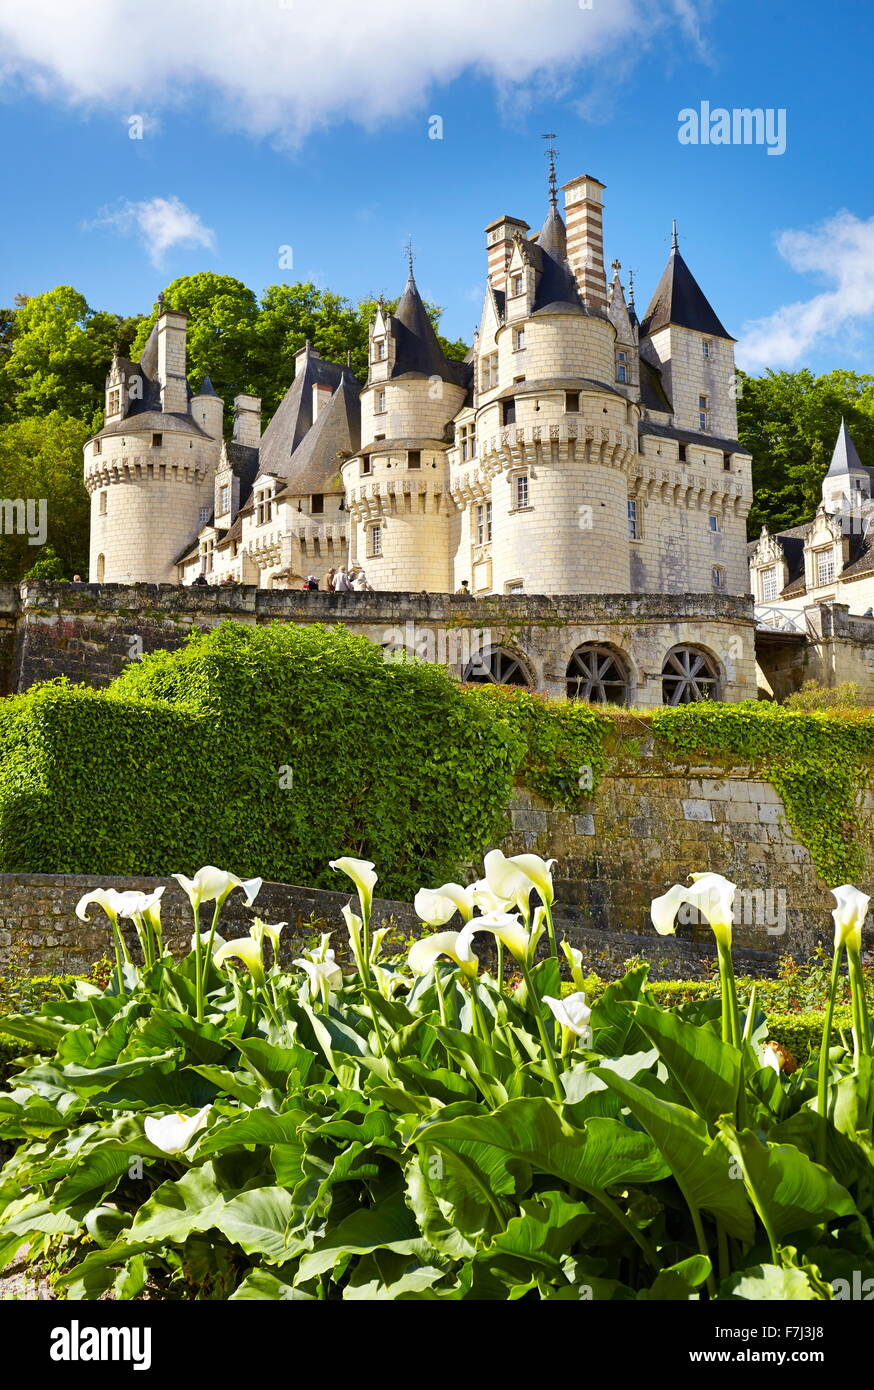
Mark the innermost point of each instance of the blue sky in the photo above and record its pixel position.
(277, 124)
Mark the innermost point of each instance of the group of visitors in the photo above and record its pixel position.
(343, 581)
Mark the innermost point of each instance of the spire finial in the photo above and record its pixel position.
(409, 252)
(675, 240)
(616, 265)
(160, 302)
(551, 152)
(631, 289)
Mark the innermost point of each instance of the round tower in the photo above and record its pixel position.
(150, 469)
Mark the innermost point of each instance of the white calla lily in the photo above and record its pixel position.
(217, 941)
(504, 926)
(507, 880)
(486, 899)
(173, 1133)
(428, 949)
(353, 926)
(574, 959)
(435, 906)
(215, 885)
(849, 916)
(710, 894)
(363, 875)
(108, 898)
(539, 871)
(769, 1057)
(663, 910)
(324, 975)
(572, 1012)
(246, 949)
(272, 930)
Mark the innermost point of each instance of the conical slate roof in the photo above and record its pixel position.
(556, 284)
(845, 459)
(416, 347)
(679, 300)
(207, 388)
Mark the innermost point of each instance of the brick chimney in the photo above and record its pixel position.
(499, 246)
(584, 217)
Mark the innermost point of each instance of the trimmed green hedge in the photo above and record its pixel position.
(265, 750)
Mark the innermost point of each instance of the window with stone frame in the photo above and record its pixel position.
(825, 566)
(769, 584)
(483, 523)
(103, 495)
(379, 403)
(467, 442)
(717, 577)
(703, 412)
(520, 490)
(705, 348)
(489, 372)
(317, 504)
(518, 339)
(517, 284)
(114, 405)
(98, 445)
(224, 499)
(379, 349)
(264, 508)
(622, 367)
(633, 520)
(374, 541)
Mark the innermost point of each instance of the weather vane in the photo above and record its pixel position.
(408, 250)
(551, 152)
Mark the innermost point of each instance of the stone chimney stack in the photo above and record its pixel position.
(172, 330)
(321, 397)
(499, 246)
(247, 420)
(302, 356)
(584, 217)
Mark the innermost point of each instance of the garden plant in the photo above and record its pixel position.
(227, 1126)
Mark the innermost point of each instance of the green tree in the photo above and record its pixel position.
(41, 460)
(48, 565)
(789, 422)
(59, 355)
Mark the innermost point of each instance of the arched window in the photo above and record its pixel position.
(598, 673)
(496, 666)
(689, 675)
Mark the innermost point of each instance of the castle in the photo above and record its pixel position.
(576, 450)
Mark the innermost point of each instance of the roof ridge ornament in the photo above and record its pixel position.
(551, 152)
(675, 240)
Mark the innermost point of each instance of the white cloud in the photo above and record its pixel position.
(283, 67)
(840, 251)
(160, 223)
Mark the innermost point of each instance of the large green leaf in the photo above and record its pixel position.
(613, 1027)
(176, 1209)
(260, 1222)
(699, 1164)
(705, 1068)
(389, 1226)
(263, 1284)
(788, 1190)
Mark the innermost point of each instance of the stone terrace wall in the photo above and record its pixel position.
(89, 632)
(41, 935)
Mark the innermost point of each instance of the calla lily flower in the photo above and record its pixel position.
(272, 930)
(507, 880)
(486, 899)
(849, 916)
(362, 874)
(214, 885)
(428, 949)
(504, 926)
(108, 898)
(572, 1013)
(321, 973)
(712, 896)
(217, 941)
(574, 959)
(173, 1133)
(353, 926)
(435, 906)
(248, 951)
(769, 1057)
(540, 873)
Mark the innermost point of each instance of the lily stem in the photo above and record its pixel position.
(822, 1075)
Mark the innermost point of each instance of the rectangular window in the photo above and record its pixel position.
(488, 521)
(317, 504)
(572, 402)
(103, 503)
(703, 412)
(380, 403)
(717, 577)
(379, 349)
(224, 500)
(98, 445)
(508, 412)
(114, 403)
(365, 466)
(713, 522)
(521, 490)
(467, 442)
(726, 462)
(489, 372)
(633, 533)
(516, 284)
(204, 515)
(480, 524)
(515, 586)
(705, 347)
(157, 441)
(518, 339)
(622, 367)
(414, 458)
(374, 537)
(769, 585)
(681, 453)
(825, 566)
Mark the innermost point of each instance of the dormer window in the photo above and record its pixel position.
(224, 500)
(489, 372)
(769, 585)
(379, 349)
(517, 284)
(114, 403)
(264, 507)
(622, 367)
(825, 566)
